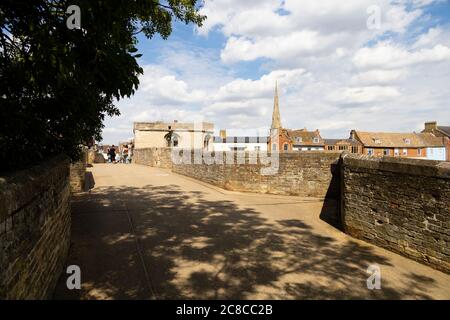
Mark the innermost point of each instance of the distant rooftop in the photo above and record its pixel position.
(445, 129)
(175, 125)
(400, 140)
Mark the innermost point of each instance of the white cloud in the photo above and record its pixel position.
(284, 29)
(304, 42)
(390, 56)
(363, 94)
(378, 76)
(333, 73)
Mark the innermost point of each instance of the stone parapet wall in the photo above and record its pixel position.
(309, 174)
(400, 204)
(34, 229)
(153, 157)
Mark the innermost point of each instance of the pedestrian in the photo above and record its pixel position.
(125, 154)
(112, 154)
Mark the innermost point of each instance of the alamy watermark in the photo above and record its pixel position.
(374, 280)
(74, 280)
(374, 20)
(74, 19)
(191, 149)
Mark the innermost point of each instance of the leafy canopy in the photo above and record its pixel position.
(56, 84)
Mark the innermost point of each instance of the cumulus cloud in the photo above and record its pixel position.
(334, 74)
(363, 94)
(379, 76)
(391, 56)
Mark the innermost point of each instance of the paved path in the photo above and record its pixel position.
(146, 233)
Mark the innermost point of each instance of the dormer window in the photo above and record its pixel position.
(377, 141)
(408, 141)
(298, 139)
(316, 140)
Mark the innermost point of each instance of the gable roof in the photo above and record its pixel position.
(398, 140)
(331, 142)
(430, 140)
(307, 137)
(445, 130)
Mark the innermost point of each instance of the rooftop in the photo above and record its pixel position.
(175, 125)
(398, 140)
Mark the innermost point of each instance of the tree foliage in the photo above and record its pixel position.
(56, 84)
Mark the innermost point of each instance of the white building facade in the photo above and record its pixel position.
(173, 134)
(436, 153)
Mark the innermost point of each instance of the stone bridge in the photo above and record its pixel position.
(148, 233)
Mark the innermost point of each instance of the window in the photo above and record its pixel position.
(386, 152)
(377, 141)
(285, 147)
(298, 139)
(405, 152)
(175, 141)
(330, 148)
(419, 152)
(257, 148)
(408, 141)
(274, 147)
(316, 140)
(354, 149)
(396, 152)
(206, 142)
(370, 152)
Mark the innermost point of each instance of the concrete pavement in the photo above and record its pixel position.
(146, 233)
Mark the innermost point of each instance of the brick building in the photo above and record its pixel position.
(304, 140)
(407, 145)
(343, 145)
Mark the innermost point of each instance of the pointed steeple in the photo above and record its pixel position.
(276, 120)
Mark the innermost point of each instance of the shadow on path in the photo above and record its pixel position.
(193, 247)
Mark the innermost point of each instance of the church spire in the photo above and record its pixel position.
(276, 121)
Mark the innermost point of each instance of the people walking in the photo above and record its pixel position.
(112, 154)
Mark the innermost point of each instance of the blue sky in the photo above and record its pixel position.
(335, 74)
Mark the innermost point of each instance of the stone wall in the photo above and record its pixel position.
(78, 173)
(314, 174)
(153, 157)
(399, 204)
(34, 229)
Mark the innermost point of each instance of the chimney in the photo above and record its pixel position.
(353, 135)
(430, 126)
(223, 134)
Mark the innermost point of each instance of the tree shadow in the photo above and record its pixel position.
(89, 181)
(194, 248)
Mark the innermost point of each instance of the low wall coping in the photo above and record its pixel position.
(408, 166)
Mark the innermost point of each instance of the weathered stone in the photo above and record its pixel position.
(35, 239)
(409, 206)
